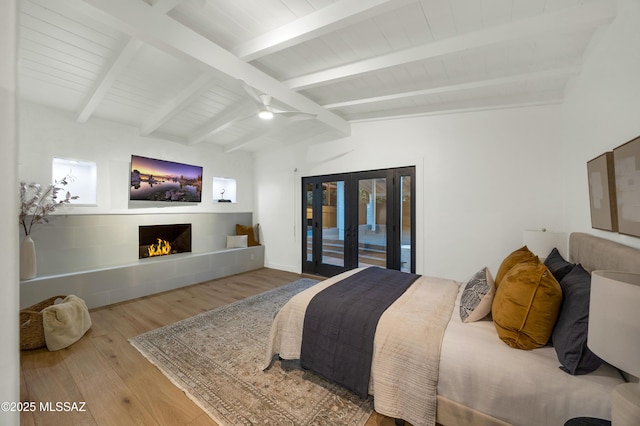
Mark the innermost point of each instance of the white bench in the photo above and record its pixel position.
(105, 286)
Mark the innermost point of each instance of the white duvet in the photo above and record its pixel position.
(519, 387)
(468, 365)
(404, 370)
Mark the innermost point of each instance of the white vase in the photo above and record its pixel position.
(27, 259)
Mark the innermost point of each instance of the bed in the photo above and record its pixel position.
(461, 373)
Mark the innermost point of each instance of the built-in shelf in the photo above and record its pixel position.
(113, 284)
(224, 190)
(82, 180)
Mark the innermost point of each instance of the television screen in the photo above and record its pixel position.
(160, 180)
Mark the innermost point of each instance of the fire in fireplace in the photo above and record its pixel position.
(162, 240)
(162, 248)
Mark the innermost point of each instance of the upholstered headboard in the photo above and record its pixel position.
(595, 253)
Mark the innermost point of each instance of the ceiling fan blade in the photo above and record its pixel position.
(296, 115)
(264, 100)
(293, 114)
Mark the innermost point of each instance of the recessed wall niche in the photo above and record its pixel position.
(83, 182)
(224, 190)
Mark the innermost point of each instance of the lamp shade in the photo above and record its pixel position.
(614, 323)
(541, 242)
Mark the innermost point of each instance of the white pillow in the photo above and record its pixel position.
(476, 299)
(236, 241)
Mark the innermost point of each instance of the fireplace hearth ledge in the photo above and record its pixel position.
(143, 277)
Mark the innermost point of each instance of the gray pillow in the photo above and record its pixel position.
(570, 332)
(476, 299)
(557, 265)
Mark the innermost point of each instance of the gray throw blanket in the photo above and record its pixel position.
(340, 325)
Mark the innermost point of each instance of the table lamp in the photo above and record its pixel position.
(614, 335)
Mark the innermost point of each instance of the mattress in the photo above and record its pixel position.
(519, 387)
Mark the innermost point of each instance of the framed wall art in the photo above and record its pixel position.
(627, 177)
(602, 192)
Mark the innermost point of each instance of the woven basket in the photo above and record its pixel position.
(31, 328)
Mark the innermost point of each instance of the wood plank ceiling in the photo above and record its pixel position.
(189, 70)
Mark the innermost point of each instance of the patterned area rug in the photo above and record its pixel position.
(215, 359)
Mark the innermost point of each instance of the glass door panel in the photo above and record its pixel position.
(308, 236)
(325, 239)
(406, 233)
(372, 222)
(333, 222)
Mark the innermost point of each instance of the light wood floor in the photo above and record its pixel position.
(118, 385)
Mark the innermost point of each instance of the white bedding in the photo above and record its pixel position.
(519, 387)
(476, 370)
(404, 367)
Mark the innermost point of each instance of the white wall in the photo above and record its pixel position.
(482, 178)
(81, 238)
(602, 110)
(46, 133)
(9, 354)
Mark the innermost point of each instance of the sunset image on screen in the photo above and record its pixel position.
(160, 180)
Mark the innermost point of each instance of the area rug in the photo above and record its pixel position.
(215, 359)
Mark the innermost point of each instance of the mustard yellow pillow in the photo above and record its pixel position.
(526, 305)
(514, 258)
(249, 232)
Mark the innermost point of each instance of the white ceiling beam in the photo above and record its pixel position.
(139, 20)
(480, 84)
(589, 15)
(184, 98)
(164, 6)
(328, 19)
(506, 102)
(112, 72)
(241, 111)
(189, 94)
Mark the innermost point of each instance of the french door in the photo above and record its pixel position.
(359, 219)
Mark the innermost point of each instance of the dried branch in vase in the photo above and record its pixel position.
(36, 202)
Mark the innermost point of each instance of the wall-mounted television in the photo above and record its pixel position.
(161, 180)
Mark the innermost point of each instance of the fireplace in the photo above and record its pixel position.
(162, 240)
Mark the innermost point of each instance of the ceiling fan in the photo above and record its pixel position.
(267, 111)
